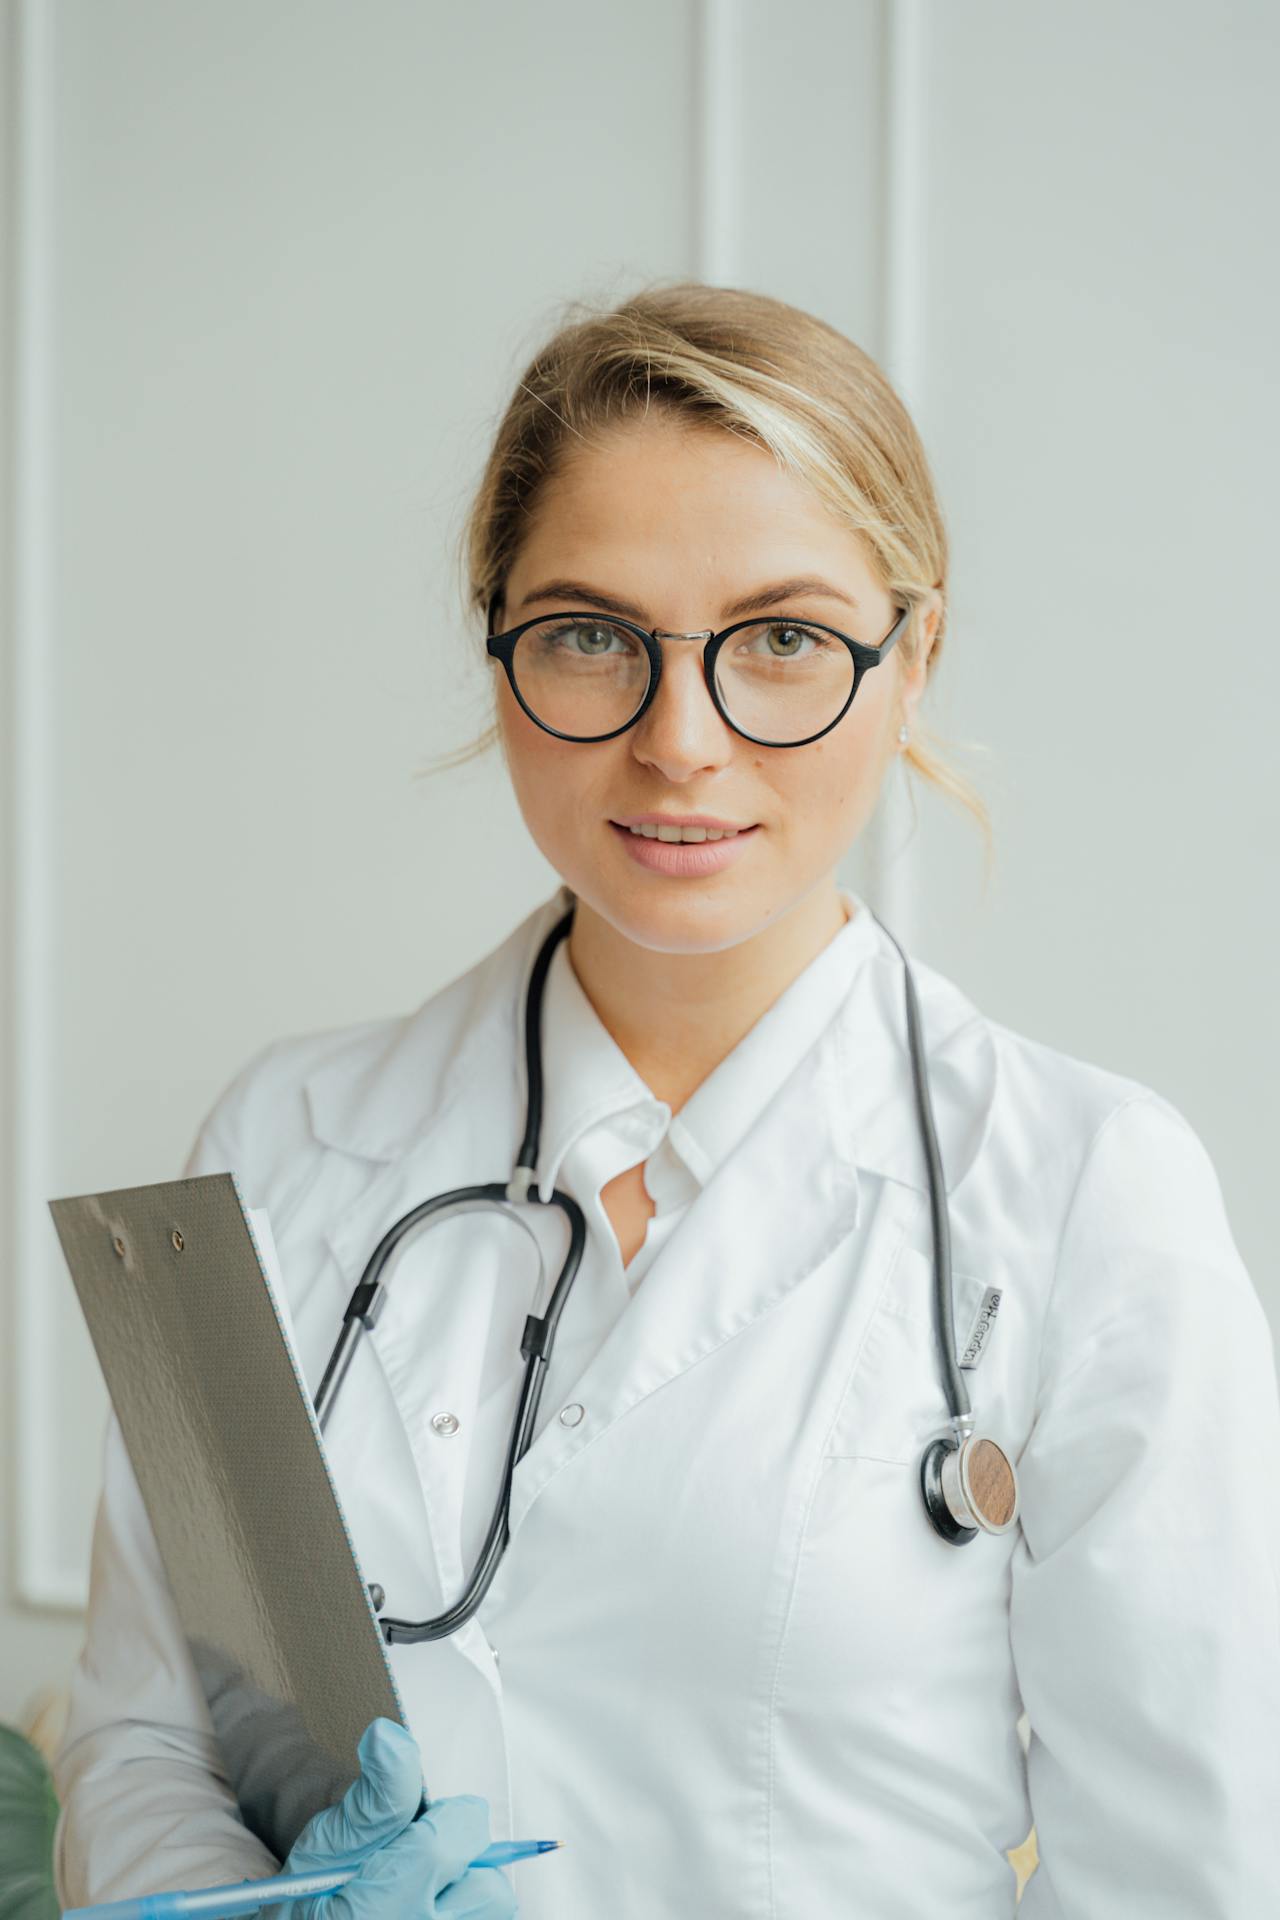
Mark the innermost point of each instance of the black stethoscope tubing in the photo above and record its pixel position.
(954, 1517)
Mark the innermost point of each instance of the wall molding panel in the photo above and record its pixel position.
(35, 1261)
(900, 878)
(717, 95)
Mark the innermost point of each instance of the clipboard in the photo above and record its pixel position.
(229, 1459)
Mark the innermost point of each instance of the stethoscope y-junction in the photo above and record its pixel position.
(968, 1482)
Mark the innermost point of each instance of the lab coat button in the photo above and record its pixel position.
(445, 1422)
(570, 1416)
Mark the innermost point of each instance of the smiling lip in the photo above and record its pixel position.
(683, 860)
(677, 820)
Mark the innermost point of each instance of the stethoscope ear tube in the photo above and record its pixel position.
(528, 1155)
(969, 1483)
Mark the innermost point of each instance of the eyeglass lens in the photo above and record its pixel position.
(779, 680)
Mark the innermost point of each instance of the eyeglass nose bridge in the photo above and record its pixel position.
(706, 634)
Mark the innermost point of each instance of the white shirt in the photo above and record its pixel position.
(726, 1658)
(600, 1118)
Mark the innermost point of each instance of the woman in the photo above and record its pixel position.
(728, 1658)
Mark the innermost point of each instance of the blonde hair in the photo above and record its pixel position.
(752, 365)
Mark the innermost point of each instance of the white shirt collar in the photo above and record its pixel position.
(599, 1115)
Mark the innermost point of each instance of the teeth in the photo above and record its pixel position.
(692, 834)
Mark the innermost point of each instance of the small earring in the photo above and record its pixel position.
(903, 735)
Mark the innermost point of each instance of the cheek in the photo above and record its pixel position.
(837, 778)
(543, 774)
(553, 780)
(532, 754)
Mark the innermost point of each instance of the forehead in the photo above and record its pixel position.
(702, 496)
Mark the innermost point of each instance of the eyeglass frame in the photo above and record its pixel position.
(502, 646)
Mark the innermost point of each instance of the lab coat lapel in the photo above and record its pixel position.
(781, 1202)
(874, 1113)
(430, 1112)
(433, 1334)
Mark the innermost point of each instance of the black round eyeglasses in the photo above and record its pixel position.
(589, 676)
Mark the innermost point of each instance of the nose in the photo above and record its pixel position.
(682, 727)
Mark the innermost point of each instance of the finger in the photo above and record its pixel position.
(460, 1824)
(427, 1857)
(379, 1804)
(401, 1877)
(483, 1893)
(406, 1875)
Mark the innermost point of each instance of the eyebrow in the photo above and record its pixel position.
(760, 601)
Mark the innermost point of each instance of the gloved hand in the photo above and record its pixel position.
(409, 1866)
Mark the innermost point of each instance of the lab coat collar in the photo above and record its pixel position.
(593, 1079)
(473, 1030)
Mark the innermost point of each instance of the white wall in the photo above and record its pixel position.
(276, 264)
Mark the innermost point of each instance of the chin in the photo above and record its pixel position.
(676, 917)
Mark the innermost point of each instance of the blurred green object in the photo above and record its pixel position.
(28, 1815)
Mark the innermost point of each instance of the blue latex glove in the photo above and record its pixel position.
(408, 1866)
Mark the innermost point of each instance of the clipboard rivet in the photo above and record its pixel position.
(178, 1241)
(118, 1244)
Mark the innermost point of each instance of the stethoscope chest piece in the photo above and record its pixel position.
(969, 1488)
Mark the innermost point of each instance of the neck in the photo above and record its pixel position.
(677, 1015)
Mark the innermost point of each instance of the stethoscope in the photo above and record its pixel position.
(968, 1482)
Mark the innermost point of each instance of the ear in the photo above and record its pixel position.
(930, 617)
(915, 677)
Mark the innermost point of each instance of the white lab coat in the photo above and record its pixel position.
(726, 1658)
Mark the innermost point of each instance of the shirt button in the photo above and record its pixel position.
(445, 1422)
(571, 1415)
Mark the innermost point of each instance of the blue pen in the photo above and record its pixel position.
(242, 1896)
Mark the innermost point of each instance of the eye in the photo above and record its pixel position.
(784, 640)
(585, 639)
